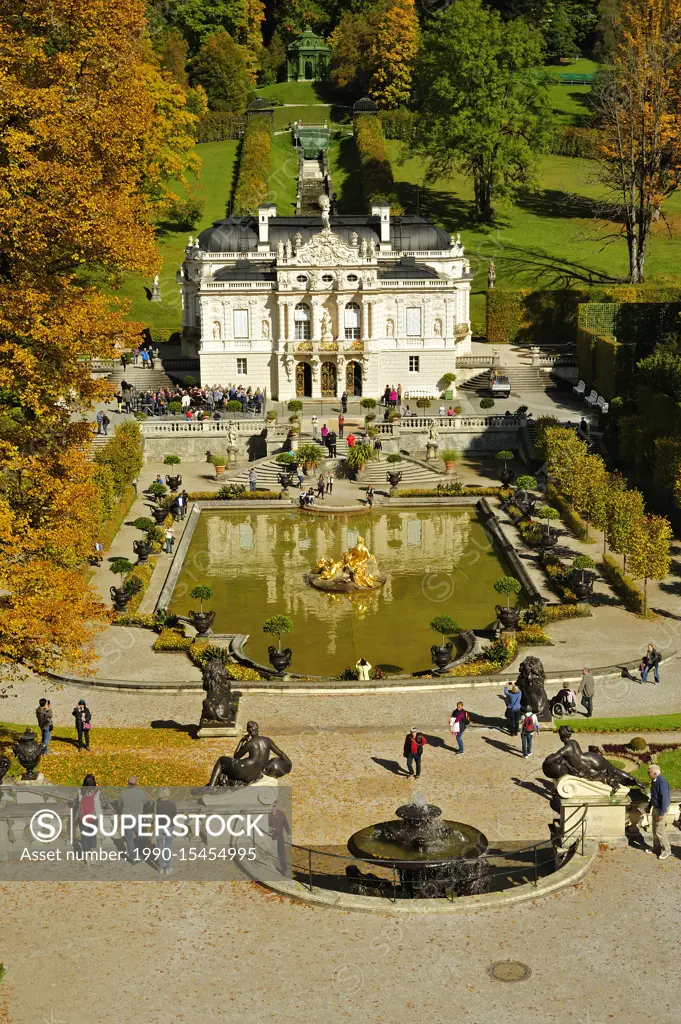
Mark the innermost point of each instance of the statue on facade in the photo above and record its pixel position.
(299, 239)
(530, 681)
(220, 703)
(354, 238)
(437, 328)
(327, 327)
(363, 247)
(280, 250)
(265, 327)
(433, 432)
(457, 241)
(371, 248)
(288, 249)
(191, 242)
(390, 328)
(491, 275)
(255, 756)
(590, 764)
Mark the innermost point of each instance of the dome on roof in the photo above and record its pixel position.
(365, 106)
(260, 103)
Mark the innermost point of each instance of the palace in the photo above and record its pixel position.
(313, 306)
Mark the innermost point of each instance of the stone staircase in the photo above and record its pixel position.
(521, 378)
(311, 187)
(142, 379)
(414, 474)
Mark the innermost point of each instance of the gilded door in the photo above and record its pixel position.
(329, 380)
(300, 380)
(353, 379)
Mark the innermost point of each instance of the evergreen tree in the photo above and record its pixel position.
(220, 68)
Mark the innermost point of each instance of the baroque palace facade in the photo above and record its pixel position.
(310, 307)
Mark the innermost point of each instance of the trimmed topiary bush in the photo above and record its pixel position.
(638, 744)
(172, 460)
(486, 403)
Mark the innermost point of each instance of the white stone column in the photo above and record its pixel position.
(316, 312)
(228, 319)
(365, 332)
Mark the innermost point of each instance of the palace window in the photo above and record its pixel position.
(414, 364)
(352, 321)
(301, 279)
(413, 321)
(240, 318)
(352, 278)
(242, 367)
(301, 317)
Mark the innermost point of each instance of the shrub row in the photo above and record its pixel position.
(569, 140)
(173, 640)
(556, 612)
(255, 166)
(219, 125)
(201, 651)
(494, 658)
(144, 574)
(246, 496)
(377, 172)
(572, 519)
(524, 314)
(398, 124)
(464, 492)
(622, 584)
(533, 635)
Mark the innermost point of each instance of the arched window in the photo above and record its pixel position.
(352, 321)
(301, 316)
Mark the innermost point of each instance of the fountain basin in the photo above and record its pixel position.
(418, 836)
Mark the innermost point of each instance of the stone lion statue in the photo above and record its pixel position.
(531, 683)
(219, 705)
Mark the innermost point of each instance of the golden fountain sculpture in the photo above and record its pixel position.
(356, 570)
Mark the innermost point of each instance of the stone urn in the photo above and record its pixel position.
(142, 550)
(441, 656)
(173, 482)
(120, 598)
(508, 617)
(285, 480)
(219, 471)
(202, 621)
(546, 544)
(28, 750)
(507, 476)
(279, 660)
(159, 515)
(583, 587)
(393, 479)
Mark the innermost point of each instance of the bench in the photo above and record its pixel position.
(591, 399)
(602, 404)
(580, 388)
(421, 392)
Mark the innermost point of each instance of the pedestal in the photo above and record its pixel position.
(155, 292)
(231, 455)
(431, 451)
(593, 806)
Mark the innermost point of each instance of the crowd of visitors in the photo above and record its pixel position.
(194, 402)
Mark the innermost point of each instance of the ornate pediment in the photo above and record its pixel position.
(326, 249)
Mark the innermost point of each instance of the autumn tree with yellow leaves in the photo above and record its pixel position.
(91, 132)
(639, 112)
(393, 52)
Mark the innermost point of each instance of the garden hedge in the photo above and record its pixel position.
(255, 166)
(604, 363)
(623, 585)
(532, 316)
(246, 496)
(569, 140)
(398, 124)
(376, 170)
(219, 125)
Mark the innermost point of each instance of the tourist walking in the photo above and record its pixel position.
(278, 825)
(651, 659)
(133, 800)
(341, 424)
(414, 742)
(301, 476)
(99, 418)
(134, 485)
(458, 723)
(587, 688)
(166, 809)
(363, 669)
(184, 500)
(89, 806)
(124, 360)
(83, 718)
(252, 480)
(514, 698)
(529, 726)
(350, 440)
(344, 402)
(331, 444)
(99, 552)
(169, 537)
(325, 434)
(321, 486)
(386, 396)
(660, 798)
(43, 713)
(329, 483)
(135, 356)
(370, 496)
(105, 424)
(315, 427)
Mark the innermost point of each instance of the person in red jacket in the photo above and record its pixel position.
(414, 743)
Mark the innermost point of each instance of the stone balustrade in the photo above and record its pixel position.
(160, 428)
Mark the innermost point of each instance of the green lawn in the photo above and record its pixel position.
(570, 104)
(215, 186)
(345, 177)
(670, 765)
(637, 724)
(297, 92)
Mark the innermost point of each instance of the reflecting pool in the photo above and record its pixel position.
(437, 562)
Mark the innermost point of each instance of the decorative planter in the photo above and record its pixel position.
(450, 466)
(279, 660)
(142, 550)
(507, 476)
(584, 588)
(508, 617)
(159, 515)
(441, 656)
(120, 598)
(201, 621)
(219, 471)
(173, 482)
(393, 479)
(309, 467)
(29, 751)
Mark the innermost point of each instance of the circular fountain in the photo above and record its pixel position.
(432, 855)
